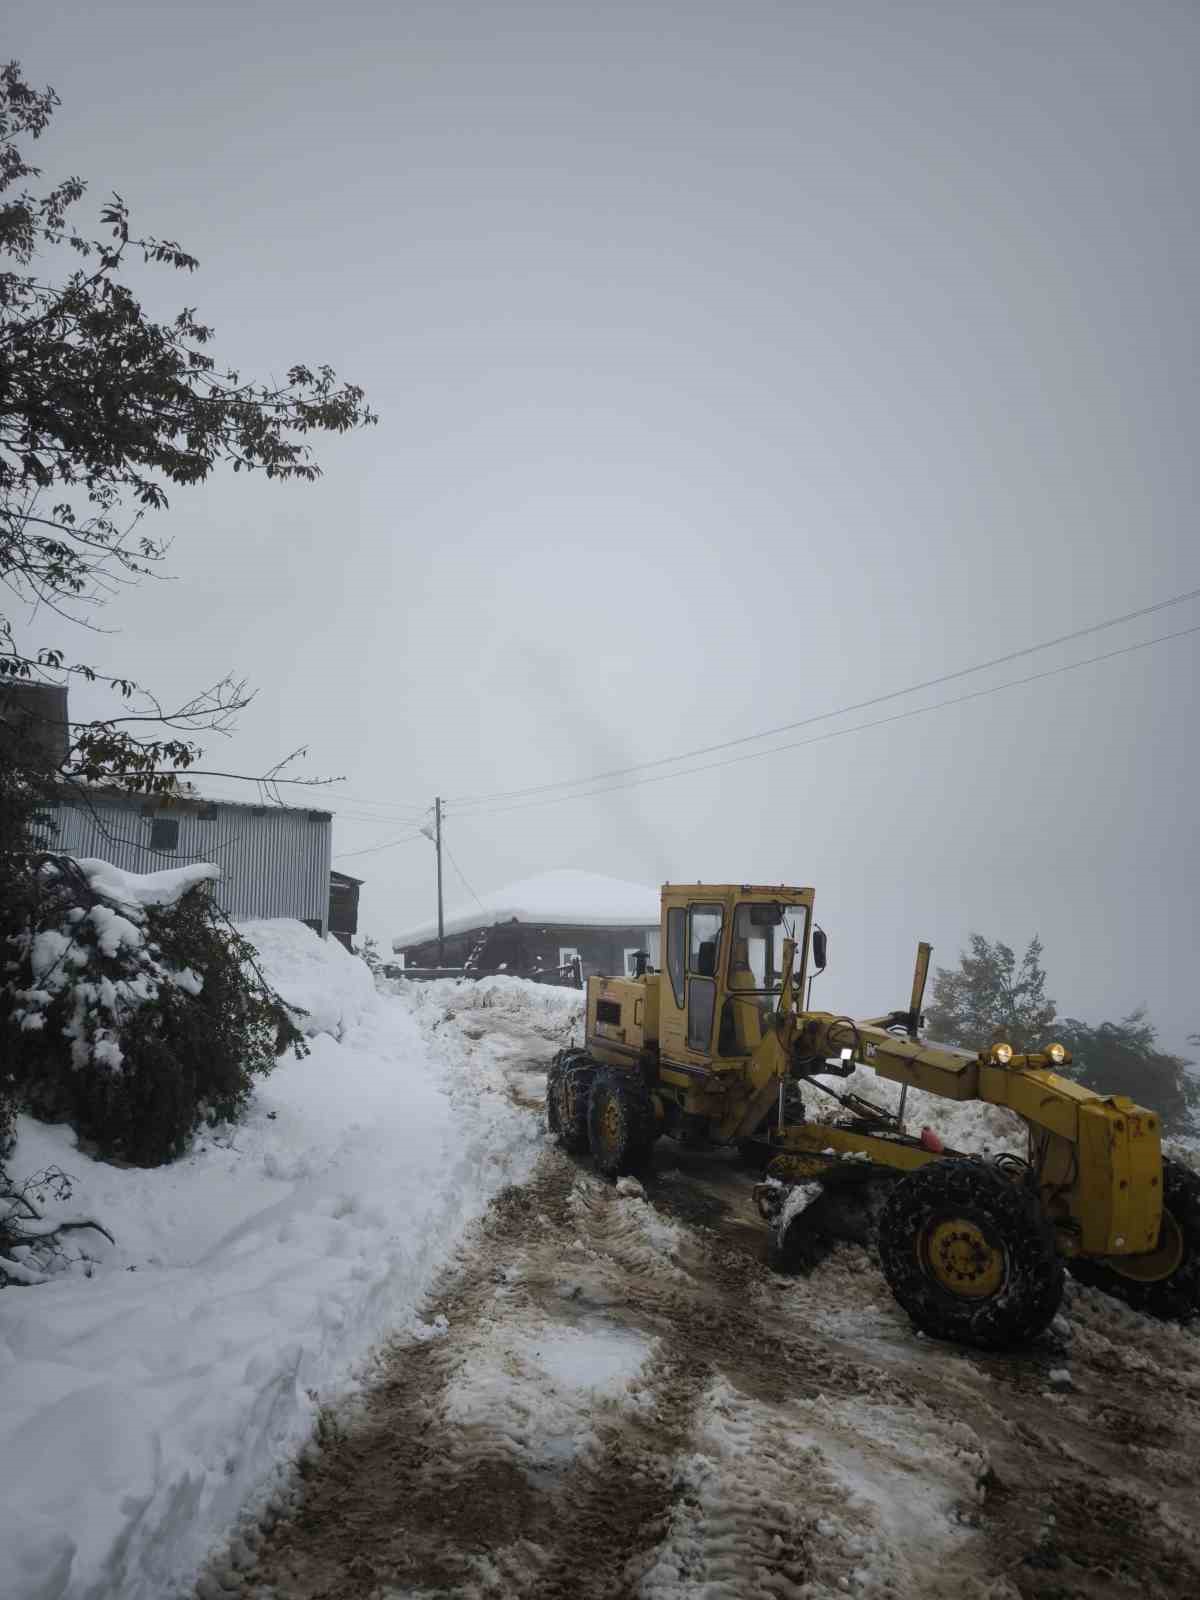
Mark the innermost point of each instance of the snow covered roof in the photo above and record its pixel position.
(562, 898)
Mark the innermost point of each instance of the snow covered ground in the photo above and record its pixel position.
(147, 1394)
(587, 1339)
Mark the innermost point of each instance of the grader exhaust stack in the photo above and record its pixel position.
(920, 977)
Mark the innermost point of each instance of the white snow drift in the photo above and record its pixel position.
(145, 1395)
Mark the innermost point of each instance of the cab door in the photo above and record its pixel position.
(696, 936)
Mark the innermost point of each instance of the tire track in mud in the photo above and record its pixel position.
(1092, 1436)
(762, 1436)
(701, 1476)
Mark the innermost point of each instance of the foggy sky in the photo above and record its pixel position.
(735, 362)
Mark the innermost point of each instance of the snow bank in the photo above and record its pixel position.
(143, 1405)
(516, 997)
(319, 975)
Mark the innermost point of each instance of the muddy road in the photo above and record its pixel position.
(617, 1398)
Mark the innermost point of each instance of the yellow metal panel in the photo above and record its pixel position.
(631, 996)
(953, 1075)
(653, 986)
(1042, 1098)
(1120, 1179)
(815, 1137)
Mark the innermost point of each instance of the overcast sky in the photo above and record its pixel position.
(735, 363)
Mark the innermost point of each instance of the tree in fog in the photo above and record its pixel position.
(1122, 1058)
(991, 996)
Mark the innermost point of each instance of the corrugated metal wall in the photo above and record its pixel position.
(275, 862)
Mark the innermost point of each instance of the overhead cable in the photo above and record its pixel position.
(841, 711)
(373, 849)
(841, 733)
(462, 879)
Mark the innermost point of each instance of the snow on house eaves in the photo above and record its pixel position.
(557, 899)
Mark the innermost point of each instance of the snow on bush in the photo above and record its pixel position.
(132, 1011)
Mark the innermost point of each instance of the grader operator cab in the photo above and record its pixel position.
(718, 1049)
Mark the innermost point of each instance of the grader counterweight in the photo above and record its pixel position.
(716, 1049)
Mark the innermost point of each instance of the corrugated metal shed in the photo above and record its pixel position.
(275, 860)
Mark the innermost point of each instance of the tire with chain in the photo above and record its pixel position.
(621, 1123)
(568, 1084)
(969, 1255)
(1174, 1296)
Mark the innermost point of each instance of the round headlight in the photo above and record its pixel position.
(1002, 1054)
(1057, 1053)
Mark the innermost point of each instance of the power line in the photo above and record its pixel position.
(463, 880)
(839, 733)
(373, 849)
(396, 807)
(824, 716)
(371, 821)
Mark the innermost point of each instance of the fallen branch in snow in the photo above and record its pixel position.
(24, 1227)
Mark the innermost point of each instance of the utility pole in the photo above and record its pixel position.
(437, 813)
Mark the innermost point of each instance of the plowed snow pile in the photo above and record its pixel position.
(147, 1392)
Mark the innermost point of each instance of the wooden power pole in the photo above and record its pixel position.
(437, 813)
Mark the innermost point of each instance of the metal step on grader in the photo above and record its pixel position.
(717, 1049)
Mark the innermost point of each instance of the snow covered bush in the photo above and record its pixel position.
(8, 1111)
(29, 1242)
(133, 1010)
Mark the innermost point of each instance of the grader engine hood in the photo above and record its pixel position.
(622, 1015)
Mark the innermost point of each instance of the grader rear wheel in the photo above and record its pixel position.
(969, 1255)
(567, 1086)
(621, 1125)
(1165, 1284)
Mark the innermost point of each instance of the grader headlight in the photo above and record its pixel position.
(1002, 1054)
(1057, 1053)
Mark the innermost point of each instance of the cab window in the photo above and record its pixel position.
(704, 941)
(675, 921)
(704, 955)
(756, 970)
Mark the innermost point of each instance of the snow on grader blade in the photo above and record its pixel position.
(717, 1049)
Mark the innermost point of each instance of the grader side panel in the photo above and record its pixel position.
(622, 1016)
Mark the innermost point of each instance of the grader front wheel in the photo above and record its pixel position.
(1166, 1283)
(969, 1255)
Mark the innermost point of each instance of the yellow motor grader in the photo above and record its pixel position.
(717, 1049)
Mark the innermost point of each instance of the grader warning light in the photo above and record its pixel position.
(718, 1049)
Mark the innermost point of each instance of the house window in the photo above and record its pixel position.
(164, 833)
(566, 954)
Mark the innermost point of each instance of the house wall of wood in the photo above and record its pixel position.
(525, 948)
(343, 907)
